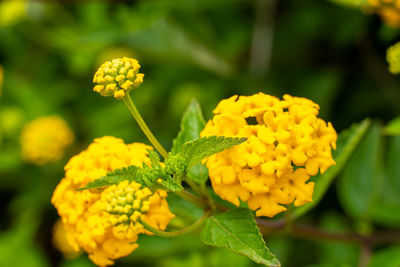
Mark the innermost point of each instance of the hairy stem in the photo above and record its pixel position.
(132, 108)
(186, 230)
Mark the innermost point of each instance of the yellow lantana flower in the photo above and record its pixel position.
(389, 10)
(45, 139)
(286, 144)
(393, 58)
(61, 243)
(12, 11)
(118, 77)
(105, 222)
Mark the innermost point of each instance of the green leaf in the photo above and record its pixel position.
(357, 187)
(154, 159)
(369, 188)
(198, 173)
(153, 178)
(392, 161)
(346, 144)
(389, 257)
(201, 148)
(387, 203)
(192, 124)
(237, 230)
(393, 127)
(170, 184)
(183, 209)
(350, 3)
(115, 177)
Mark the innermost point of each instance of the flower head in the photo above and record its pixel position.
(389, 10)
(393, 58)
(45, 139)
(105, 223)
(127, 203)
(118, 77)
(286, 144)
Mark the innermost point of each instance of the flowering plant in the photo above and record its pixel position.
(258, 151)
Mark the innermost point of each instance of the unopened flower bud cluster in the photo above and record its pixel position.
(118, 77)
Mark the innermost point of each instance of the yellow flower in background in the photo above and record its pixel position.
(12, 11)
(105, 223)
(118, 77)
(393, 58)
(45, 139)
(286, 144)
(61, 243)
(389, 10)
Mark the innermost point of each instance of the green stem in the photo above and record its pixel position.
(191, 198)
(132, 108)
(186, 230)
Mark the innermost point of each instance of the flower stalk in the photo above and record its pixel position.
(183, 231)
(142, 124)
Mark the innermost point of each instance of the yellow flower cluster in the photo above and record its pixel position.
(45, 139)
(104, 223)
(12, 11)
(389, 10)
(393, 58)
(61, 243)
(118, 77)
(286, 144)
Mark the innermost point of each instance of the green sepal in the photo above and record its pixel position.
(237, 230)
(196, 150)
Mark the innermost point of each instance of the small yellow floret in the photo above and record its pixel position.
(393, 58)
(389, 10)
(45, 139)
(105, 223)
(61, 243)
(286, 144)
(118, 77)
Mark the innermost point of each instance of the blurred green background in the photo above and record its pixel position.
(204, 49)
